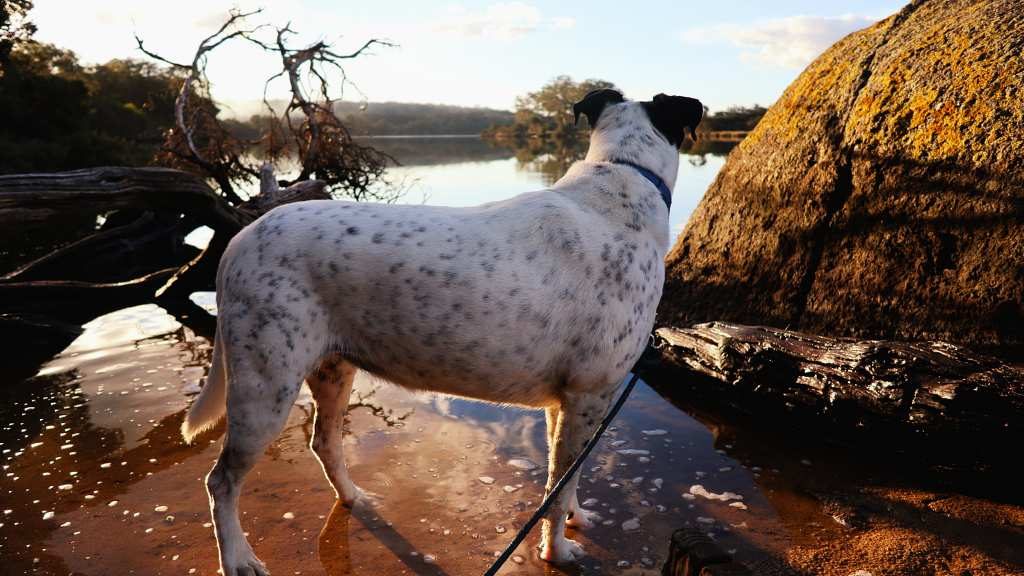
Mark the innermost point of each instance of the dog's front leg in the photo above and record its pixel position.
(576, 421)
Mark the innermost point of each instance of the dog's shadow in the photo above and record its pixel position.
(334, 549)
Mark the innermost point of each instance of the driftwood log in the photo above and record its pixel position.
(27, 199)
(145, 250)
(928, 385)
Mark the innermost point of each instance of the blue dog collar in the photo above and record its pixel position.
(653, 178)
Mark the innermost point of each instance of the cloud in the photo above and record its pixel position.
(506, 20)
(791, 42)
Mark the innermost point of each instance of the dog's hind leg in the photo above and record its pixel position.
(331, 385)
(261, 391)
(578, 516)
(578, 417)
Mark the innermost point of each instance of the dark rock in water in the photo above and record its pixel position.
(882, 196)
(690, 551)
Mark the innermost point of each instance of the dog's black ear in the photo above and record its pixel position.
(675, 116)
(593, 104)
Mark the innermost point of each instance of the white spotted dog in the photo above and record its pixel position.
(543, 300)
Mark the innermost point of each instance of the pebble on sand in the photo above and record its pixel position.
(486, 480)
(522, 463)
(631, 524)
(699, 490)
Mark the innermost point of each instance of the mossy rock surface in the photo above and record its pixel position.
(882, 196)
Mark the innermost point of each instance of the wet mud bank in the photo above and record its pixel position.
(885, 500)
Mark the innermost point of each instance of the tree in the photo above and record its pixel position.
(56, 114)
(555, 99)
(14, 27)
(308, 127)
(546, 114)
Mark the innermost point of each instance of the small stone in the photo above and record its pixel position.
(160, 509)
(518, 559)
(522, 463)
(288, 515)
(655, 432)
(631, 524)
(500, 529)
(48, 515)
(510, 489)
(486, 480)
(429, 558)
(699, 490)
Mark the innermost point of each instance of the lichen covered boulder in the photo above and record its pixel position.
(883, 194)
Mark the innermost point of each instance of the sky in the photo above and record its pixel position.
(485, 53)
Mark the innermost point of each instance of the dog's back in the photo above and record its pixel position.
(503, 302)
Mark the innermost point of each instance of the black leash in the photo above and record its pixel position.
(546, 504)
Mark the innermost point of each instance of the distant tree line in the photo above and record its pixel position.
(58, 114)
(735, 118)
(546, 114)
(394, 118)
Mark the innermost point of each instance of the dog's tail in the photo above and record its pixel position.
(211, 404)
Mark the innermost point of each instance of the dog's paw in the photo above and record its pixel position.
(561, 551)
(247, 565)
(581, 518)
(355, 496)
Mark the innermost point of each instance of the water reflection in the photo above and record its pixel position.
(97, 481)
(93, 440)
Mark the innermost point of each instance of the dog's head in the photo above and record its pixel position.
(647, 133)
(673, 117)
